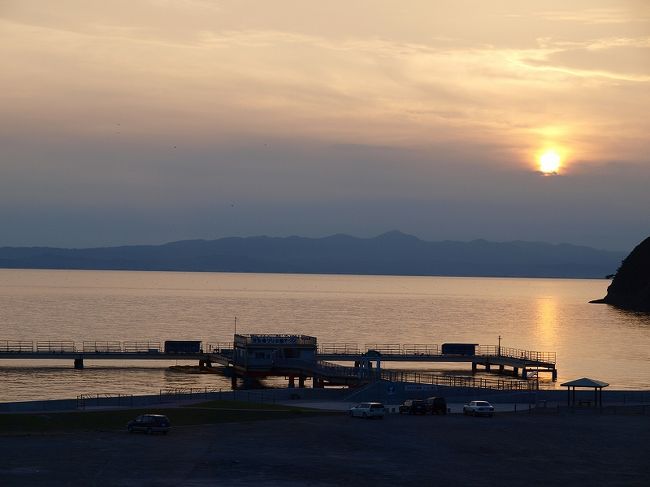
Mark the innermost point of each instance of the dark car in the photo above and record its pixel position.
(149, 423)
(413, 406)
(436, 405)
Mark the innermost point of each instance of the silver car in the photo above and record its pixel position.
(478, 408)
(368, 410)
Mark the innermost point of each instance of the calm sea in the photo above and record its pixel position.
(536, 314)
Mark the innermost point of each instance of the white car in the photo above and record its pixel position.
(478, 408)
(368, 410)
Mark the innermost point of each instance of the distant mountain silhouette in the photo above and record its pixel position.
(392, 253)
(630, 288)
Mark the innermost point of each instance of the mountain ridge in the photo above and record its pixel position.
(391, 253)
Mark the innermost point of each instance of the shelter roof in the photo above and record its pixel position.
(585, 382)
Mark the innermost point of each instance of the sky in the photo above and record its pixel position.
(148, 121)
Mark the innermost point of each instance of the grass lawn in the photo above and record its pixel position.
(204, 413)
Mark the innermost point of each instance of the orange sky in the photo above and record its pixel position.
(432, 85)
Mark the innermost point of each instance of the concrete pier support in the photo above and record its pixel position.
(233, 382)
(203, 364)
(248, 382)
(301, 381)
(474, 367)
(554, 375)
(78, 363)
(292, 381)
(501, 368)
(487, 367)
(524, 373)
(515, 371)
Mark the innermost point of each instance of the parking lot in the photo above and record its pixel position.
(339, 450)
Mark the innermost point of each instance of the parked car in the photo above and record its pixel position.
(368, 410)
(413, 406)
(149, 423)
(478, 408)
(436, 405)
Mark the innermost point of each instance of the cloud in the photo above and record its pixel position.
(590, 16)
(618, 59)
(160, 104)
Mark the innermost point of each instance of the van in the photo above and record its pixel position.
(436, 405)
(413, 406)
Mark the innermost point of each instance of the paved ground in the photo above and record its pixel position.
(454, 407)
(514, 450)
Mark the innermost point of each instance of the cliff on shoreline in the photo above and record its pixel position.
(630, 288)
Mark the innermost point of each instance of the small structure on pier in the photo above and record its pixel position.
(261, 353)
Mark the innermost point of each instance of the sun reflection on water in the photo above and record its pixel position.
(546, 320)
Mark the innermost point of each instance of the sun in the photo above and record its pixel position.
(549, 162)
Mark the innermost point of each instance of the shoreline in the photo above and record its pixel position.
(391, 394)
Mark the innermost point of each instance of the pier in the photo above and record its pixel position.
(300, 358)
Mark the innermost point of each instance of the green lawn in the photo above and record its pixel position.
(204, 413)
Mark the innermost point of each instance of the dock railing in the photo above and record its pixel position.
(105, 347)
(16, 346)
(55, 346)
(339, 348)
(219, 347)
(336, 370)
(263, 396)
(321, 367)
(386, 348)
(459, 381)
(435, 350)
(516, 353)
(421, 349)
(348, 350)
(139, 347)
(104, 399)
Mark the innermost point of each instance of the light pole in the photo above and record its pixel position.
(499, 347)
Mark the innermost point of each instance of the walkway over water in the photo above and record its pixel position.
(328, 351)
(433, 353)
(530, 363)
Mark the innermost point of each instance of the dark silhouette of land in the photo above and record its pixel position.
(393, 253)
(630, 288)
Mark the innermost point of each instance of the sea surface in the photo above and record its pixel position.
(590, 340)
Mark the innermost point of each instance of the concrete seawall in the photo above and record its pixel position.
(386, 392)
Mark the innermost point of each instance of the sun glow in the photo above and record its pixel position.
(549, 162)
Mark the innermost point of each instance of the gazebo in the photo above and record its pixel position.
(585, 383)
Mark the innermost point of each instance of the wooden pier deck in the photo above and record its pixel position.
(327, 366)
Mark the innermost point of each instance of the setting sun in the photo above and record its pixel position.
(549, 162)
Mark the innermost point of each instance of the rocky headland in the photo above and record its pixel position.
(630, 288)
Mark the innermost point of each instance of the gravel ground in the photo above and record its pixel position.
(452, 450)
